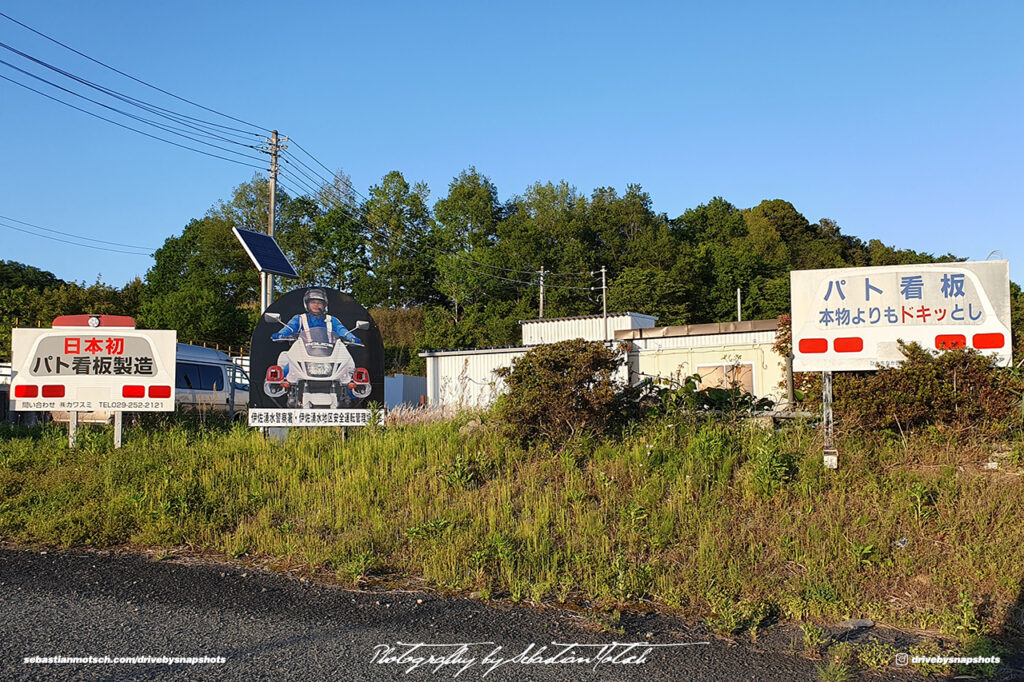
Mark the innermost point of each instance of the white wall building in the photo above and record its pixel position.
(721, 353)
(587, 327)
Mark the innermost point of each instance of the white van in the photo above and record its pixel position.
(206, 381)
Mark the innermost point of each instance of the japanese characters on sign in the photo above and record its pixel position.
(95, 354)
(85, 369)
(300, 417)
(853, 318)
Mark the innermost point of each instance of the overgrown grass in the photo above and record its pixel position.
(732, 523)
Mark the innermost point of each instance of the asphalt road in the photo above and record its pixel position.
(268, 626)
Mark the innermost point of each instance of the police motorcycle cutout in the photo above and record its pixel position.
(317, 370)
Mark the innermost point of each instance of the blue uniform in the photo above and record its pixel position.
(313, 321)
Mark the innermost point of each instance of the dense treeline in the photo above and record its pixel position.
(469, 264)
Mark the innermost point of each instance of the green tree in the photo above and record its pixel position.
(14, 274)
(401, 245)
(203, 285)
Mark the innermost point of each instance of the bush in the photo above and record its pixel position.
(559, 391)
(956, 388)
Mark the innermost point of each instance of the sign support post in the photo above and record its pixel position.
(117, 428)
(72, 429)
(831, 455)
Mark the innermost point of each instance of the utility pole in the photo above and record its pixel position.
(604, 299)
(542, 292)
(274, 146)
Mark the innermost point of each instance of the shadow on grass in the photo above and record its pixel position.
(1013, 634)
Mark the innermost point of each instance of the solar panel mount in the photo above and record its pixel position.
(265, 253)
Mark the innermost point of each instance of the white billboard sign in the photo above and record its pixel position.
(851, 319)
(84, 369)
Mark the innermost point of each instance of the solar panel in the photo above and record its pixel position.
(266, 255)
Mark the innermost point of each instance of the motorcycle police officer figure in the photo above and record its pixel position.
(315, 302)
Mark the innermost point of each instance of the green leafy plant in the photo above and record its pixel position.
(559, 391)
(814, 637)
(875, 655)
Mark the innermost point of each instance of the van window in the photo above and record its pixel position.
(211, 377)
(187, 375)
(240, 379)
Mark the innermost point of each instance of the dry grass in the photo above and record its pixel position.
(715, 520)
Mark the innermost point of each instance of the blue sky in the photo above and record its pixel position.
(900, 121)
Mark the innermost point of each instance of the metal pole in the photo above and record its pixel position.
(117, 429)
(72, 429)
(831, 455)
(604, 299)
(541, 292)
(273, 206)
(739, 306)
(790, 393)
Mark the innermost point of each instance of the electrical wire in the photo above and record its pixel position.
(68, 241)
(133, 101)
(159, 126)
(127, 127)
(205, 132)
(138, 80)
(71, 234)
(320, 190)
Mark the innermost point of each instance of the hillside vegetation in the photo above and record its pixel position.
(467, 267)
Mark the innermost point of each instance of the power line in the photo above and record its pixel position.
(159, 126)
(71, 234)
(127, 127)
(137, 80)
(313, 171)
(322, 189)
(141, 104)
(68, 241)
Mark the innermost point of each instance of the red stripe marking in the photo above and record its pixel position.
(850, 344)
(813, 345)
(26, 391)
(159, 391)
(995, 340)
(945, 341)
(133, 391)
(53, 391)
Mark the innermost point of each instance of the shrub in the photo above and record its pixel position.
(957, 388)
(560, 391)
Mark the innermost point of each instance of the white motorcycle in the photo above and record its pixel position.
(320, 370)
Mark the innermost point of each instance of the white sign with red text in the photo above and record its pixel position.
(851, 319)
(84, 369)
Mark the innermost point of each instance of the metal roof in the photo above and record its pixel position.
(699, 329)
(586, 317)
(473, 351)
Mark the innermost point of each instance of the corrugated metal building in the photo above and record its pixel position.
(723, 353)
(587, 327)
(465, 378)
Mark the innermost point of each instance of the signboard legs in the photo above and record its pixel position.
(117, 429)
(831, 454)
(72, 429)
